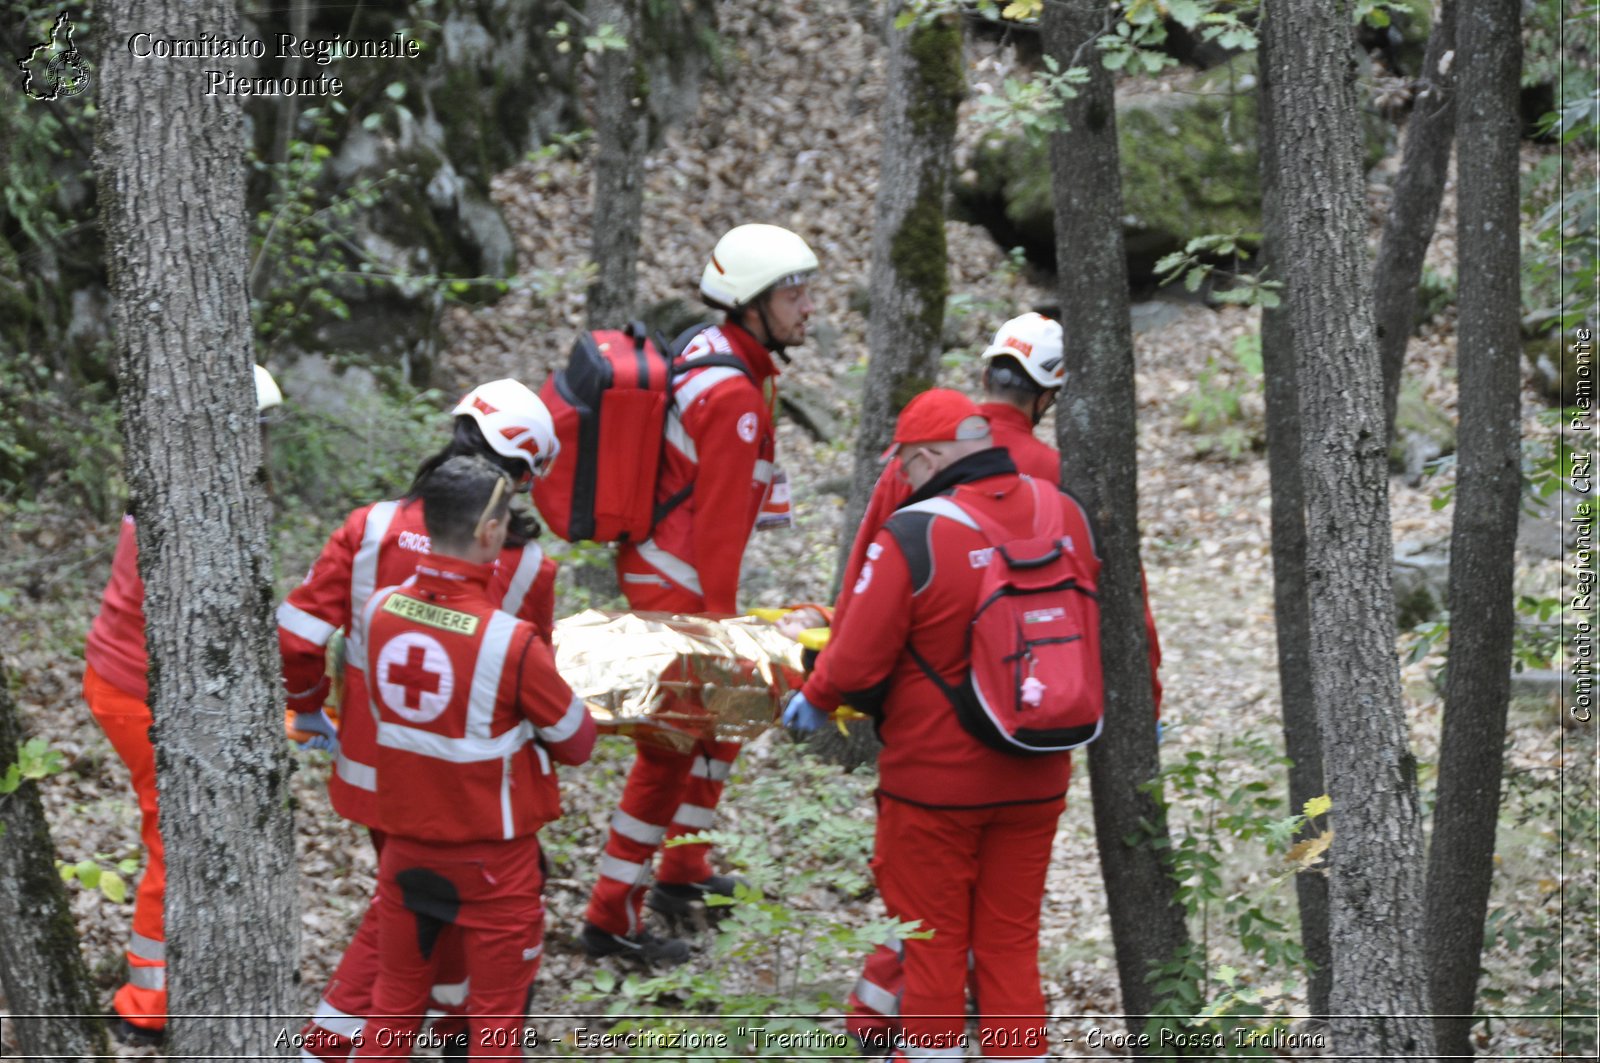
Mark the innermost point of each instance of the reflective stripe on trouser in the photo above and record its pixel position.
(874, 1003)
(662, 782)
(975, 877)
(126, 722)
(496, 918)
(347, 998)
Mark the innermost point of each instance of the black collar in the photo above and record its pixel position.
(980, 466)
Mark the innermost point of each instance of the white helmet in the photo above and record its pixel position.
(514, 421)
(267, 393)
(1035, 342)
(750, 259)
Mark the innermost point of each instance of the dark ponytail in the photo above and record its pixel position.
(468, 440)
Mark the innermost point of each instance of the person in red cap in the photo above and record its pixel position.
(1024, 371)
(964, 837)
(719, 482)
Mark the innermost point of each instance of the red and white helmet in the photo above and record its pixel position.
(749, 259)
(1035, 342)
(513, 421)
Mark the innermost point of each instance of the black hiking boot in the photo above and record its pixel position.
(680, 902)
(642, 946)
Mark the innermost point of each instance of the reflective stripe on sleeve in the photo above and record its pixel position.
(675, 569)
(679, 438)
(364, 567)
(568, 725)
(296, 621)
(635, 829)
(701, 382)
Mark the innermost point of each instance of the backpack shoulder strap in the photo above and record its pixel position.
(912, 528)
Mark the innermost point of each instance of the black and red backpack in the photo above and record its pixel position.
(1034, 683)
(610, 406)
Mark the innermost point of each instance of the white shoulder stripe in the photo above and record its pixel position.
(683, 397)
(942, 507)
(486, 674)
(522, 579)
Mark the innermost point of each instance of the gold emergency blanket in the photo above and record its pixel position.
(677, 679)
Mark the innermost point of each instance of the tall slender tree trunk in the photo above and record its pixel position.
(171, 165)
(41, 969)
(621, 132)
(1483, 531)
(1414, 205)
(1095, 423)
(910, 279)
(1379, 996)
(1302, 739)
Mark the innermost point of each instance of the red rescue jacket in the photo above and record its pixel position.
(720, 442)
(379, 545)
(469, 707)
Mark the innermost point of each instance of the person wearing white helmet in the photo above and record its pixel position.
(719, 480)
(116, 663)
(379, 545)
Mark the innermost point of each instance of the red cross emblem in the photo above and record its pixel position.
(414, 675)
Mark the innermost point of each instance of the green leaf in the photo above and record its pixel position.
(88, 873)
(395, 90)
(113, 886)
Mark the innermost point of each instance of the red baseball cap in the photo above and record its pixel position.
(937, 416)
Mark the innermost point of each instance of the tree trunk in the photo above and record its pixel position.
(1379, 999)
(910, 279)
(41, 969)
(1095, 422)
(172, 190)
(621, 132)
(1414, 206)
(1302, 740)
(1483, 531)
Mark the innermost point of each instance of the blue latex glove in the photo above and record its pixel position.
(324, 735)
(1160, 733)
(801, 715)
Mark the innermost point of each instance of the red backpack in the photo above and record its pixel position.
(609, 406)
(1034, 683)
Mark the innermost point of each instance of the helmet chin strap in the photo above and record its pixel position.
(771, 341)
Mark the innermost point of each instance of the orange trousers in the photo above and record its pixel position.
(142, 1000)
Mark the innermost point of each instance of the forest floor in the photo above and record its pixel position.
(807, 158)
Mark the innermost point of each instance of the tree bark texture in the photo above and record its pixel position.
(621, 133)
(1379, 999)
(172, 193)
(1302, 738)
(1483, 531)
(910, 279)
(41, 969)
(1095, 423)
(1414, 205)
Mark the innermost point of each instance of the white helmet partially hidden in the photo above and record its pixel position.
(750, 259)
(514, 422)
(1035, 342)
(268, 394)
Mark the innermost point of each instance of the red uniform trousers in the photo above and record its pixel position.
(668, 794)
(975, 877)
(485, 898)
(126, 721)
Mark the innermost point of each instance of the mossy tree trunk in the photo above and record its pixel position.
(1414, 206)
(1302, 739)
(1379, 997)
(621, 131)
(1095, 423)
(172, 191)
(910, 279)
(41, 969)
(1483, 530)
